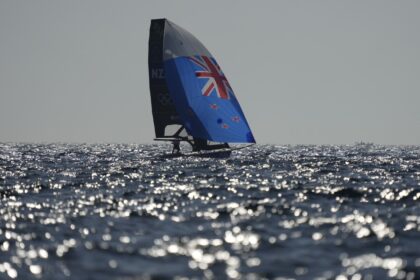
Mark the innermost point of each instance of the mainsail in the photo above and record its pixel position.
(200, 96)
(164, 111)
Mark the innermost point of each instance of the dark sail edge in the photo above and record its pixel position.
(163, 109)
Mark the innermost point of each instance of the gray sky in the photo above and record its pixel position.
(305, 72)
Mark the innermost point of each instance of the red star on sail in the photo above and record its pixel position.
(236, 119)
(214, 106)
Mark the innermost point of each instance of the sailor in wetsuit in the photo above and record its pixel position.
(176, 149)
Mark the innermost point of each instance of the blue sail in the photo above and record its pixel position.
(200, 91)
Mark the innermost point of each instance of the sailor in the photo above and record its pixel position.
(176, 149)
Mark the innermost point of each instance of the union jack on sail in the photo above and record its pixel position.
(216, 80)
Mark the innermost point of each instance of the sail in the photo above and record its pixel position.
(188, 87)
(163, 109)
(200, 91)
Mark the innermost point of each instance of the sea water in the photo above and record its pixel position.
(109, 211)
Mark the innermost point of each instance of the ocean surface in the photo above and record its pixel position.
(109, 211)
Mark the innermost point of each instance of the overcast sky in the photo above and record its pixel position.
(305, 72)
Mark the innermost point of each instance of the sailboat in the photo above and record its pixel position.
(192, 100)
